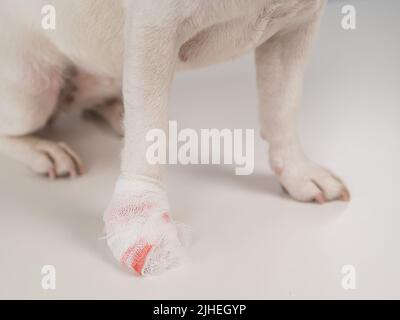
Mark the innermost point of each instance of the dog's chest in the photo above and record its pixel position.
(229, 39)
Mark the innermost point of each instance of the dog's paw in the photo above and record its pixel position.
(140, 232)
(54, 159)
(308, 182)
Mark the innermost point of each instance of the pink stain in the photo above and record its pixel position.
(166, 217)
(136, 255)
(140, 259)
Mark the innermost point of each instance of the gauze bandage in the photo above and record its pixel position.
(140, 231)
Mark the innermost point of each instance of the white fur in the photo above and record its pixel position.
(135, 47)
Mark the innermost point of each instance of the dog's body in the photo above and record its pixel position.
(102, 49)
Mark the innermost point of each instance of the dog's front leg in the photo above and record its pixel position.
(140, 231)
(280, 64)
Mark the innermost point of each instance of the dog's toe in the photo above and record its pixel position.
(56, 160)
(309, 182)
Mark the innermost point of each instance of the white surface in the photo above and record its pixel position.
(251, 241)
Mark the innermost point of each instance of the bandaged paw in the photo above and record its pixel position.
(140, 231)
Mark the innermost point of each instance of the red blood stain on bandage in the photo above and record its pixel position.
(136, 255)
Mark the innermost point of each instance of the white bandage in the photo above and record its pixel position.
(140, 231)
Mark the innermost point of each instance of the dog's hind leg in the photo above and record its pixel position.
(26, 106)
(42, 156)
(98, 97)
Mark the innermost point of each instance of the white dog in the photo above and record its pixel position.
(103, 50)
